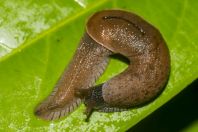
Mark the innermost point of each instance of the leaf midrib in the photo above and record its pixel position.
(55, 27)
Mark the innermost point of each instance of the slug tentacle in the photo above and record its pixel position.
(94, 101)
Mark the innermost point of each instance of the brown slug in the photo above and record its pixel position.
(111, 32)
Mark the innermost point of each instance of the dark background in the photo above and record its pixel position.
(175, 115)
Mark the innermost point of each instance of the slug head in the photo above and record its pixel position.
(94, 100)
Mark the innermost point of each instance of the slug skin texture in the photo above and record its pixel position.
(111, 32)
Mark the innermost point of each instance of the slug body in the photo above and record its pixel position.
(111, 32)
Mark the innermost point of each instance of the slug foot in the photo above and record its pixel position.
(109, 109)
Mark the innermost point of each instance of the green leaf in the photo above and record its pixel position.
(38, 39)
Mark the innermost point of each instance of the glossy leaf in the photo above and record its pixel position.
(38, 39)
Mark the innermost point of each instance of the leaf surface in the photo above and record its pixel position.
(38, 39)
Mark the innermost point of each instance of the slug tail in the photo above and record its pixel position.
(47, 111)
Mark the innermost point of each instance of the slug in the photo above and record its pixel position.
(110, 32)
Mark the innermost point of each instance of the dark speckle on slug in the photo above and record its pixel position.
(110, 32)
